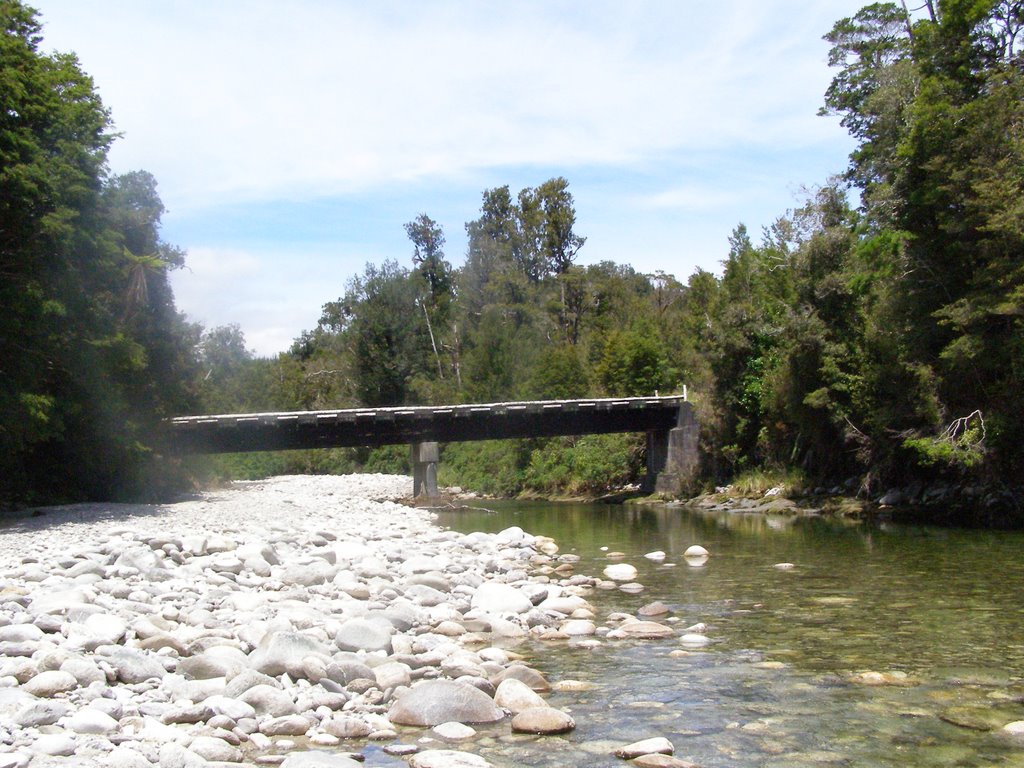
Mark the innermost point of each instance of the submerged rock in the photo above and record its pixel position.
(445, 758)
(542, 720)
(658, 744)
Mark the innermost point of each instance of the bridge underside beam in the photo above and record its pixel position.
(239, 433)
(668, 421)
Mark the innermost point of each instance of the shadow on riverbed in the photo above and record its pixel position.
(38, 518)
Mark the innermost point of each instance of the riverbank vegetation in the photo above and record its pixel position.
(869, 338)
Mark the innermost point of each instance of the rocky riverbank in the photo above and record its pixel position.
(299, 621)
(935, 503)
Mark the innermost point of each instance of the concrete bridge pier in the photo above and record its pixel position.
(424, 470)
(672, 455)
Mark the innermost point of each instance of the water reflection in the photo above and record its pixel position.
(935, 613)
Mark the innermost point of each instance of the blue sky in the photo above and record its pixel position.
(292, 141)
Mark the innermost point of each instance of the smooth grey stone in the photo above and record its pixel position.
(223, 661)
(243, 681)
(55, 744)
(188, 714)
(40, 713)
(176, 756)
(447, 758)
(346, 727)
(84, 671)
(434, 579)
(391, 675)
(307, 575)
(401, 615)
(496, 597)
(319, 760)
(479, 683)
(524, 674)
(281, 652)
(124, 757)
(363, 635)
(16, 759)
(542, 720)
(23, 648)
(51, 683)
(424, 595)
(232, 708)
(215, 749)
(287, 725)
(20, 633)
(269, 701)
(135, 666)
(439, 701)
(316, 697)
(48, 622)
(515, 696)
(658, 744)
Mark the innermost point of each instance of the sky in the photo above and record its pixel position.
(292, 141)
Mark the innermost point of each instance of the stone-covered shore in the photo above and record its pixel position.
(290, 621)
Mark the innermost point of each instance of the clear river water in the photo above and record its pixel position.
(935, 614)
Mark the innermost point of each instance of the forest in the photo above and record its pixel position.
(870, 338)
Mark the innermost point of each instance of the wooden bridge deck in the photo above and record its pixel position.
(240, 432)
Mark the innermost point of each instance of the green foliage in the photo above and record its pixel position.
(260, 465)
(389, 460)
(634, 365)
(960, 447)
(756, 483)
(585, 466)
(390, 340)
(92, 350)
(559, 374)
(493, 467)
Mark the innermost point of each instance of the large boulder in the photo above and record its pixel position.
(280, 652)
(364, 635)
(495, 597)
(440, 701)
(515, 696)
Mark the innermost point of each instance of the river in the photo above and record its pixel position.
(933, 614)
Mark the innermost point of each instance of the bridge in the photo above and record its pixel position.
(669, 423)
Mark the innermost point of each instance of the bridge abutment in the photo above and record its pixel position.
(672, 455)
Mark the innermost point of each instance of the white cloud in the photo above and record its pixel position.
(256, 99)
(208, 263)
(691, 198)
(272, 293)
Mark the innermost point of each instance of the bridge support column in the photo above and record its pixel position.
(672, 455)
(424, 469)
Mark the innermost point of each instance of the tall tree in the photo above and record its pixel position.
(92, 350)
(435, 273)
